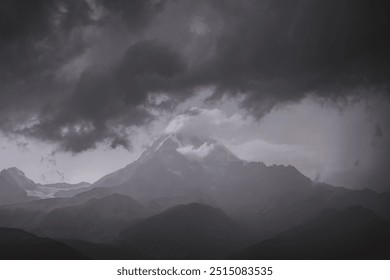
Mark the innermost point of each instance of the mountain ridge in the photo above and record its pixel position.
(353, 233)
(17, 177)
(190, 231)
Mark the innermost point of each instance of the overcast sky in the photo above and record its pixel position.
(86, 85)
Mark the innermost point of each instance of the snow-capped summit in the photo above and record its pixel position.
(175, 168)
(205, 151)
(173, 141)
(180, 168)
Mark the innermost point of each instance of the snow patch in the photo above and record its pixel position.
(199, 153)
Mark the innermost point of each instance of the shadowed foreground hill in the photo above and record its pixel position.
(109, 251)
(96, 220)
(185, 232)
(354, 233)
(16, 244)
(29, 215)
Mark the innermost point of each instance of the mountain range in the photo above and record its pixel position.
(192, 198)
(23, 186)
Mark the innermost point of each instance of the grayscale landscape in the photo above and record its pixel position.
(163, 129)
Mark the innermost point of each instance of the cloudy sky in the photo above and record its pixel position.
(85, 85)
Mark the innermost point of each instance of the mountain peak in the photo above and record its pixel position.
(17, 177)
(14, 170)
(176, 140)
(193, 148)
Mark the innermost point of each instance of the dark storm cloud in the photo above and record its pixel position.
(378, 131)
(39, 37)
(107, 101)
(270, 52)
(279, 51)
(32, 47)
(136, 13)
(30, 31)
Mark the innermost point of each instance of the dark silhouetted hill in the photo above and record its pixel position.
(193, 231)
(16, 244)
(95, 220)
(354, 233)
